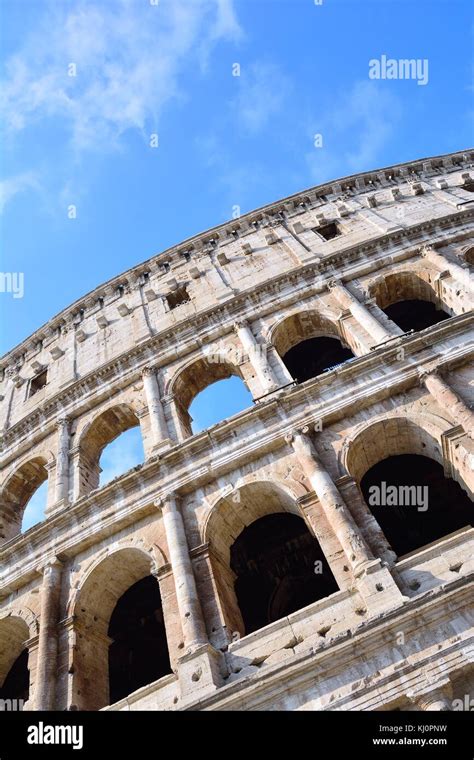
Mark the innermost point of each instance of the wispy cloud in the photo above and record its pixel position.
(356, 132)
(105, 68)
(263, 87)
(15, 185)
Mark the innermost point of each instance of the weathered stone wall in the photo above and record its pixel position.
(121, 357)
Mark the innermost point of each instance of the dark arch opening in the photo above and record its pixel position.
(424, 506)
(17, 683)
(313, 356)
(275, 559)
(139, 652)
(415, 314)
(469, 256)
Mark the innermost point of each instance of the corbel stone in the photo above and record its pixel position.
(56, 352)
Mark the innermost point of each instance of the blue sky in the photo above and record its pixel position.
(86, 86)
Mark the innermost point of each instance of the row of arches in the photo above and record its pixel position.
(307, 343)
(266, 560)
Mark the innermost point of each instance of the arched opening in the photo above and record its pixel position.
(265, 563)
(410, 300)
(14, 671)
(23, 488)
(215, 390)
(138, 654)
(218, 401)
(107, 427)
(469, 256)
(17, 683)
(35, 508)
(314, 356)
(415, 314)
(120, 634)
(309, 344)
(279, 568)
(125, 452)
(414, 502)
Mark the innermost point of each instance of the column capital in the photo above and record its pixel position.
(148, 371)
(63, 422)
(424, 372)
(167, 503)
(301, 430)
(333, 282)
(50, 564)
(426, 250)
(240, 324)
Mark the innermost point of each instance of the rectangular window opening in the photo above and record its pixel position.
(38, 382)
(328, 231)
(178, 297)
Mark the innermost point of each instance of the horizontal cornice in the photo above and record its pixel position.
(218, 320)
(356, 183)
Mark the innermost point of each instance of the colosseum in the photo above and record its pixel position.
(311, 552)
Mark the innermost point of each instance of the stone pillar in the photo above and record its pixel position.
(62, 463)
(158, 424)
(257, 356)
(371, 530)
(360, 312)
(192, 622)
(172, 621)
(172, 403)
(32, 646)
(449, 400)
(75, 455)
(46, 669)
(456, 271)
(286, 377)
(340, 519)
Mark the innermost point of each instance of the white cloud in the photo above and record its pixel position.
(263, 88)
(15, 185)
(363, 122)
(128, 55)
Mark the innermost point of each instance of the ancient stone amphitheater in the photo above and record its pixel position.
(248, 566)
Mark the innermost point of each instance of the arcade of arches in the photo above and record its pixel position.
(266, 560)
(307, 342)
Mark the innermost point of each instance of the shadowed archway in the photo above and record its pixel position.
(413, 502)
(138, 654)
(14, 670)
(280, 568)
(121, 639)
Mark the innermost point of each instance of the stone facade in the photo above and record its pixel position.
(137, 350)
